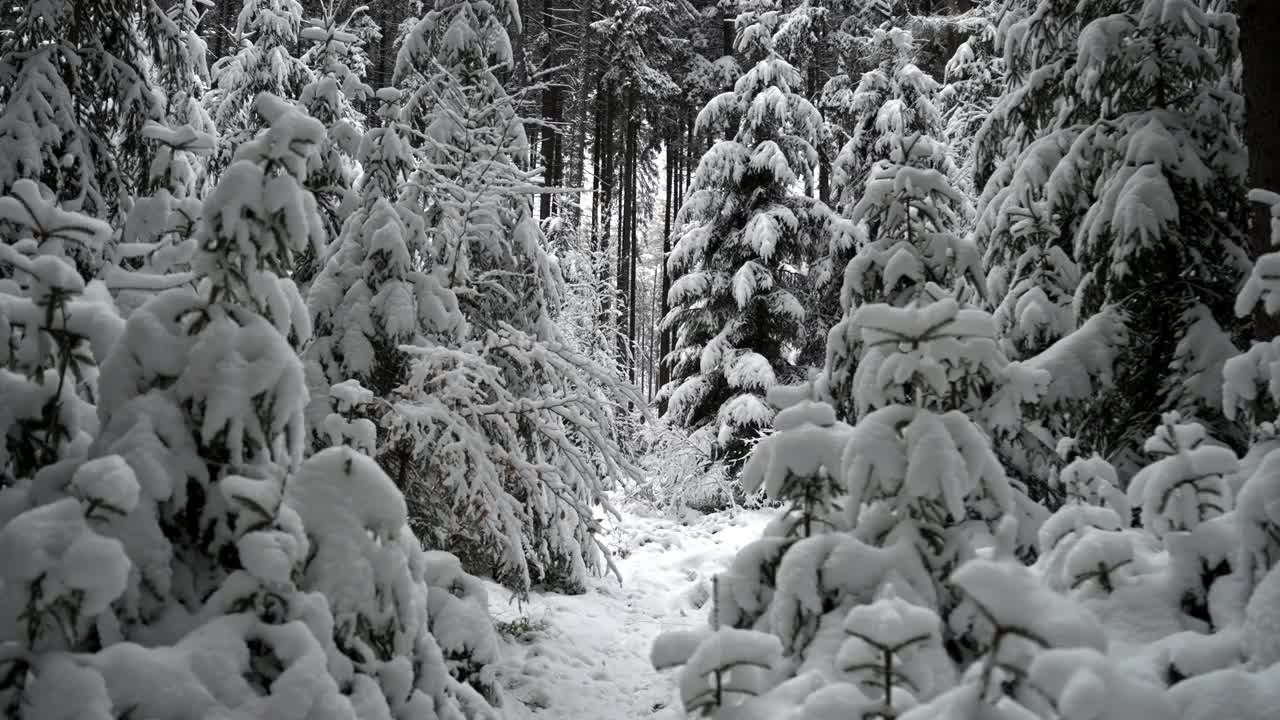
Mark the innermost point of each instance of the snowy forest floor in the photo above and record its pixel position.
(586, 657)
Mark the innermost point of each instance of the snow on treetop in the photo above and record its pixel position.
(891, 621)
(771, 72)
(289, 136)
(675, 647)
(107, 482)
(726, 647)
(784, 396)
(803, 412)
(1173, 436)
(1013, 597)
(800, 451)
(1073, 520)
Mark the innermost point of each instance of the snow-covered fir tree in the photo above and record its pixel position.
(178, 555)
(333, 96)
(746, 232)
(908, 217)
(508, 431)
(76, 90)
(266, 37)
(157, 237)
(1106, 191)
(889, 115)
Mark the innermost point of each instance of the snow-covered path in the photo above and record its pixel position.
(586, 657)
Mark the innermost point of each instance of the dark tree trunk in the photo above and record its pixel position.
(633, 181)
(1259, 40)
(668, 215)
(604, 146)
(558, 34)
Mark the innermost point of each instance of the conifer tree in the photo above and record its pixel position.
(76, 90)
(183, 525)
(157, 239)
(509, 430)
(889, 116)
(266, 34)
(745, 232)
(1132, 199)
(333, 96)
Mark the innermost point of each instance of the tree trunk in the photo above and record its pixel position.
(624, 249)
(633, 181)
(605, 200)
(553, 105)
(668, 216)
(1259, 40)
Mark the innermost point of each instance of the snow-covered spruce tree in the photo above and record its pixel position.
(1251, 394)
(746, 230)
(75, 93)
(1120, 191)
(510, 432)
(372, 295)
(333, 96)
(889, 123)
(893, 100)
(974, 77)
(267, 33)
(909, 215)
(920, 485)
(157, 237)
(52, 326)
(189, 529)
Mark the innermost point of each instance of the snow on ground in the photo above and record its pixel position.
(586, 657)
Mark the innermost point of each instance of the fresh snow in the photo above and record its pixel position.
(588, 656)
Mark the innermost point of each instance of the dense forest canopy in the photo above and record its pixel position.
(316, 315)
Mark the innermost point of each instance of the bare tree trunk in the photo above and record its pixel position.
(553, 104)
(633, 180)
(670, 207)
(605, 199)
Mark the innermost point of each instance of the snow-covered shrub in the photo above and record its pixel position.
(1187, 484)
(744, 226)
(893, 654)
(798, 464)
(680, 471)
